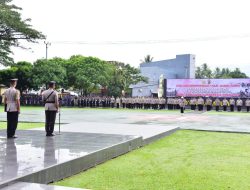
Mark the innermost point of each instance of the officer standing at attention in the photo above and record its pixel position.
(217, 104)
(225, 103)
(209, 104)
(232, 103)
(12, 107)
(200, 103)
(50, 98)
(239, 104)
(181, 102)
(247, 103)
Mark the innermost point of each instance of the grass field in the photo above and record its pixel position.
(186, 160)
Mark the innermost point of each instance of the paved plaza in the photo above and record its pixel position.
(133, 122)
(92, 136)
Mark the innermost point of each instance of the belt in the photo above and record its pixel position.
(48, 102)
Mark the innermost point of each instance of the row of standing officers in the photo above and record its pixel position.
(162, 103)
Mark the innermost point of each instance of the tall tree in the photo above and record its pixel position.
(147, 59)
(13, 29)
(87, 73)
(48, 70)
(122, 77)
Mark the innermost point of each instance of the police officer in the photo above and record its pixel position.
(232, 103)
(225, 103)
(50, 98)
(217, 104)
(209, 104)
(181, 102)
(239, 104)
(12, 107)
(247, 103)
(200, 103)
(117, 102)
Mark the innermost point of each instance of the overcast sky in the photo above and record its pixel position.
(216, 31)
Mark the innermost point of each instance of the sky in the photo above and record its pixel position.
(216, 31)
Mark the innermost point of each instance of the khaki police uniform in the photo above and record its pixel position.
(232, 103)
(239, 104)
(217, 104)
(181, 103)
(12, 96)
(117, 102)
(209, 104)
(225, 104)
(200, 103)
(50, 98)
(247, 103)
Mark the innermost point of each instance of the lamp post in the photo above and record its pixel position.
(47, 44)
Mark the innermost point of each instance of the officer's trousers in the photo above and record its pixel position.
(232, 108)
(50, 121)
(217, 108)
(239, 108)
(248, 108)
(224, 108)
(12, 121)
(209, 107)
(182, 109)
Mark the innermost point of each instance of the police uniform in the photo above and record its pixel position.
(232, 103)
(247, 103)
(239, 104)
(12, 103)
(217, 104)
(200, 103)
(50, 98)
(181, 103)
(117, 102)
(225, 104)
(209, 104)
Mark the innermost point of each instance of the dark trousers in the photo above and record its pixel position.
(209, 107)
(231, 107)
(239, 108)
(225, 108)
(12, 120)
(200, 107)
(50, 121)
(182, 109)
(217, 108)
(248, 108)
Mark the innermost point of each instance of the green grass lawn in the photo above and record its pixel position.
(186, 160)
(23, 126)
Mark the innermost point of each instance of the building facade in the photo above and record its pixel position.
(182, 67)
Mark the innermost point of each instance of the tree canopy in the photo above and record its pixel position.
(205, 72)
(147, 59)
(13, 29)
(84, 74)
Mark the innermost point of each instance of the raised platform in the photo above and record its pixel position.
(34, 186)
(38, 159)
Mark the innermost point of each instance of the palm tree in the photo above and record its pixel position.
(147, 59)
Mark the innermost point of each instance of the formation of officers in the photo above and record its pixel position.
(194, 103)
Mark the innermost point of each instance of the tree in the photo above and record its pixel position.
(123, 76)
(87, 74)
(217, 73)
(24, 74)
(205, 72)
(13, 29)
(147, 59)
(237, 74)
(198, 73)
(48, 70)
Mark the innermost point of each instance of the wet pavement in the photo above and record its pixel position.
(32, 151)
